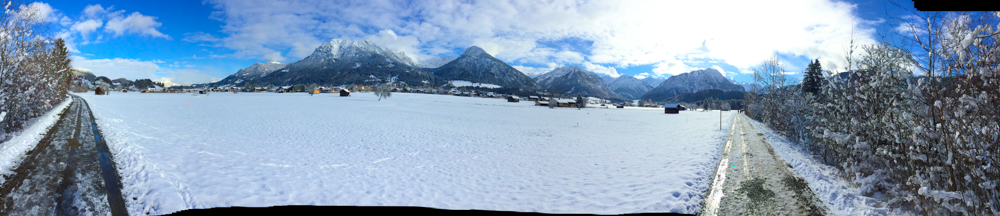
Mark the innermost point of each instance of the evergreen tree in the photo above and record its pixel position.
(580, 102)
(813, 80)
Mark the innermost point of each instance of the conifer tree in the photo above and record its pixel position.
(813, 79)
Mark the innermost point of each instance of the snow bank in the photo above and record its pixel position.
(840, 196)
(13, 151)
(265, 149)
(463, 83)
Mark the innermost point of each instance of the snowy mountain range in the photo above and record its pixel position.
(689, 82)
(653, 81)
(253, 73)
(337, 62)
(477, 66)
(629, 87)
(574, 80)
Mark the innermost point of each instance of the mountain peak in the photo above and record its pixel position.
(474, 51)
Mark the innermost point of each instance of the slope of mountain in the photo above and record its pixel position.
(607, 79)
(572, 80)
(653, 81)
(435, 62)
(629, 87)
(689, 82)
(477, 66)
(251, 74)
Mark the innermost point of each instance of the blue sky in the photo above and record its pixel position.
(186, 42)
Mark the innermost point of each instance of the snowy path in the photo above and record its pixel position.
(756, 181)
(64, 174)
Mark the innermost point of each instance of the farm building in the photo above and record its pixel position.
(345, 93)
(124, 91)
(533, 98)
(542, 103)
(513, 98)
(671, 108)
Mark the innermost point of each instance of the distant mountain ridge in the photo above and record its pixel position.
(690, 82)
(629, 87)
(477, 66)
(574, 80)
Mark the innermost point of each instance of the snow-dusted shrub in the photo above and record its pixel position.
(34, 70)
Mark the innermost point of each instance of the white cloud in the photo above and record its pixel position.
(275, 56)
(388, 38)
(199, 37)
(721, 71)
(94, 11)
(134, 23)
(86, 27)
(137, 69)
(610, 71)
(642, 75)
(671, 66)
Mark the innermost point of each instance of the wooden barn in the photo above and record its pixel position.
(671, 108)
(542, 103)
(620, 105)
(99, 91)
(124, 91)
(533, 98)
(345, 93)
(513, 98)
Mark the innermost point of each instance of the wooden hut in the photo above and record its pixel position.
(124, 91)
(620, 105)
(513, 98)
(99, 91)
(542, 103)
(671, 108)
(345, 93)
(315, 91)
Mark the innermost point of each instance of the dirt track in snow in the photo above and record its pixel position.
(753, 180)
(69, 172)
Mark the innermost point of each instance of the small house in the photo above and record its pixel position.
(513, 98)
(681, 107)
(143, 91)
(99, 91)
(620, 105)
(542, 103)
(533, 98)
(124, 91)
(671, 108)
(345, 93)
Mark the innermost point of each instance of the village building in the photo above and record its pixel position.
(671, 108)
(345, 93)
(513, 98)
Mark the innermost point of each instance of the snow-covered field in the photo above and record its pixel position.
(842, 197)
(177, 152)
(12, 151)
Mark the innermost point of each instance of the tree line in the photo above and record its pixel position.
(917, 126)
(35, 70)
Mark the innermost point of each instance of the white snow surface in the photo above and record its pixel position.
(463, 83)
(439, 151)
(13, 151)
(839, 195)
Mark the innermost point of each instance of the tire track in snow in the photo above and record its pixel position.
(63, 174)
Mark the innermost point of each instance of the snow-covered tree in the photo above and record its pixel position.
(383, 90)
